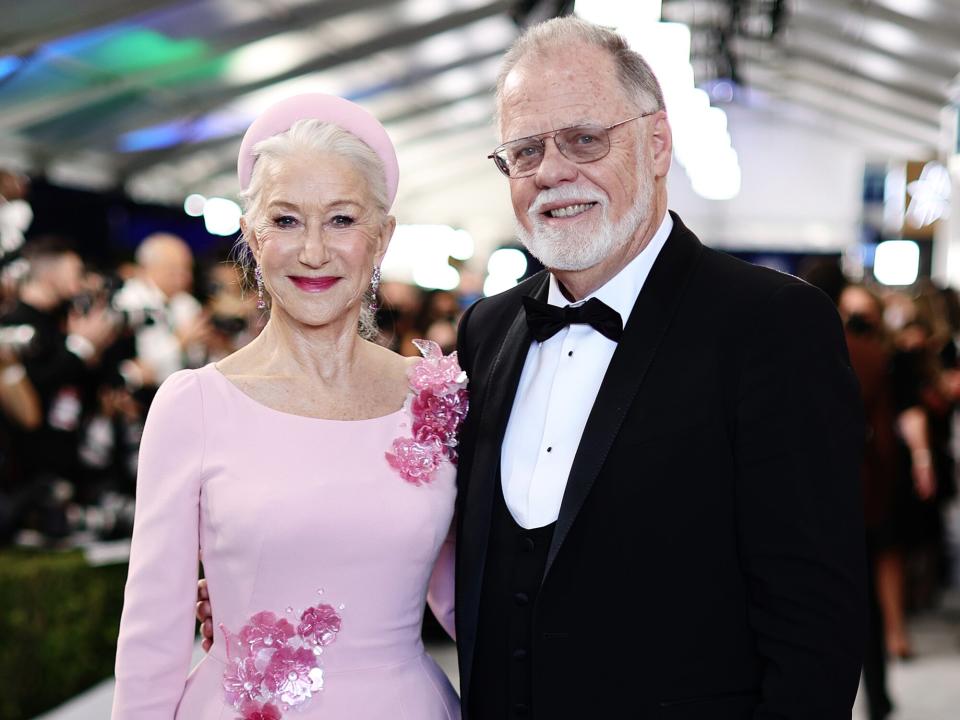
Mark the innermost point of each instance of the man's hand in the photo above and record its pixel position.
(99, 326)
(205, 615)
(924, 479)
(195, 331)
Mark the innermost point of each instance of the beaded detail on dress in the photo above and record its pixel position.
(437, 404)
(272, 666)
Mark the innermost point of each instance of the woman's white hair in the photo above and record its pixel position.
(312, 136)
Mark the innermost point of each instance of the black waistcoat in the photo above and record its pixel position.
(516, 558)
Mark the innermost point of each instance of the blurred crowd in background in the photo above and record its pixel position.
(84, 347)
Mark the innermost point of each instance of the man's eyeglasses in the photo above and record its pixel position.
(580, 143)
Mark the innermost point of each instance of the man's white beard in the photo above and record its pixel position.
(584, 247)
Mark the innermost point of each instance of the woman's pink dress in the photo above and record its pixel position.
(318, 556)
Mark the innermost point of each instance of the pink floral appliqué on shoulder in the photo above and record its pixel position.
(272, 666)
(437, 403)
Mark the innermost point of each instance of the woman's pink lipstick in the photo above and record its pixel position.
(317, 284)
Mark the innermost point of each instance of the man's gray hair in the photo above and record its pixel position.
(639, 83)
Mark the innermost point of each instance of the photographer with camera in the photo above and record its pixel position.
(168, 323)
(59, 361)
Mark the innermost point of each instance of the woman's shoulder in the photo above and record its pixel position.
(181, 394)
(182, 381)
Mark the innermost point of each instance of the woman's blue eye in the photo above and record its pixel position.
(342, 220)
(285, 220)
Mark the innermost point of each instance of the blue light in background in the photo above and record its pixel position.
(9, 65)
(154, 138)
(209, 127)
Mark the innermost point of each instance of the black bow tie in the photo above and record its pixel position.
(545, 320)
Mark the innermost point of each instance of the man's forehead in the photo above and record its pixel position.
(533, 104)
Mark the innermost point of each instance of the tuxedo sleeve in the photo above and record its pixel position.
(798, 439)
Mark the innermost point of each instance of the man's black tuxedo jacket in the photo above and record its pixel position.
(708, 560)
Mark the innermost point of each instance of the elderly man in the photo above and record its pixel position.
(658, 486)
(170, 328)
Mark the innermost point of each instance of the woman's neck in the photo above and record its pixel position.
(325, 353)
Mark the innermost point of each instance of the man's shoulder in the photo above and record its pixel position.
(742, 281)
(504, 305)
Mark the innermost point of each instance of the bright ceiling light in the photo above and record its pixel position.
(929, 195)
(497, 284)
(194, 204)
(505, 268)
(897, 262)
(421, 253)
(509, 262)
(461, 245)
(221, 216)
(436, 277)
(270, 57)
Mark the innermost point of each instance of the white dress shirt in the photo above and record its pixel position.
(558, 386)
(157, 344)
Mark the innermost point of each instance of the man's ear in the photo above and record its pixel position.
(661, 137)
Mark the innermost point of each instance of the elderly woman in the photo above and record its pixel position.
(312, 469)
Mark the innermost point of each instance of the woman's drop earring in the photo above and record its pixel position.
(258, 276)
(374, 286)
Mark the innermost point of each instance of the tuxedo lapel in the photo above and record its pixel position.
(499, 389)
(649, 320)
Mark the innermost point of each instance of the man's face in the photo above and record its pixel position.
(171, 269)
(67, 275)
(571, 216)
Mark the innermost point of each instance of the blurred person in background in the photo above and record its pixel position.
(871, 355)
(438, 318)
(15, 213)
(170, 326)
(926, 393)
(20, 409)
(60, 364)
(234, 317)
(400, 305)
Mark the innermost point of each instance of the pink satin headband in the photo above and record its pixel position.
(280, 117)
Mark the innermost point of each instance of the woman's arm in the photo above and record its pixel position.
(440, 592)
(157, 627)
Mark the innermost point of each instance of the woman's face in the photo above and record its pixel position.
(317, 236)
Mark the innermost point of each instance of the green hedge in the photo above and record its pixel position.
(58, 628)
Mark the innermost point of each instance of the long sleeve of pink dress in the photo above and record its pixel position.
(319, 556)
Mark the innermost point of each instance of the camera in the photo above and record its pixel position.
(132, 309)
